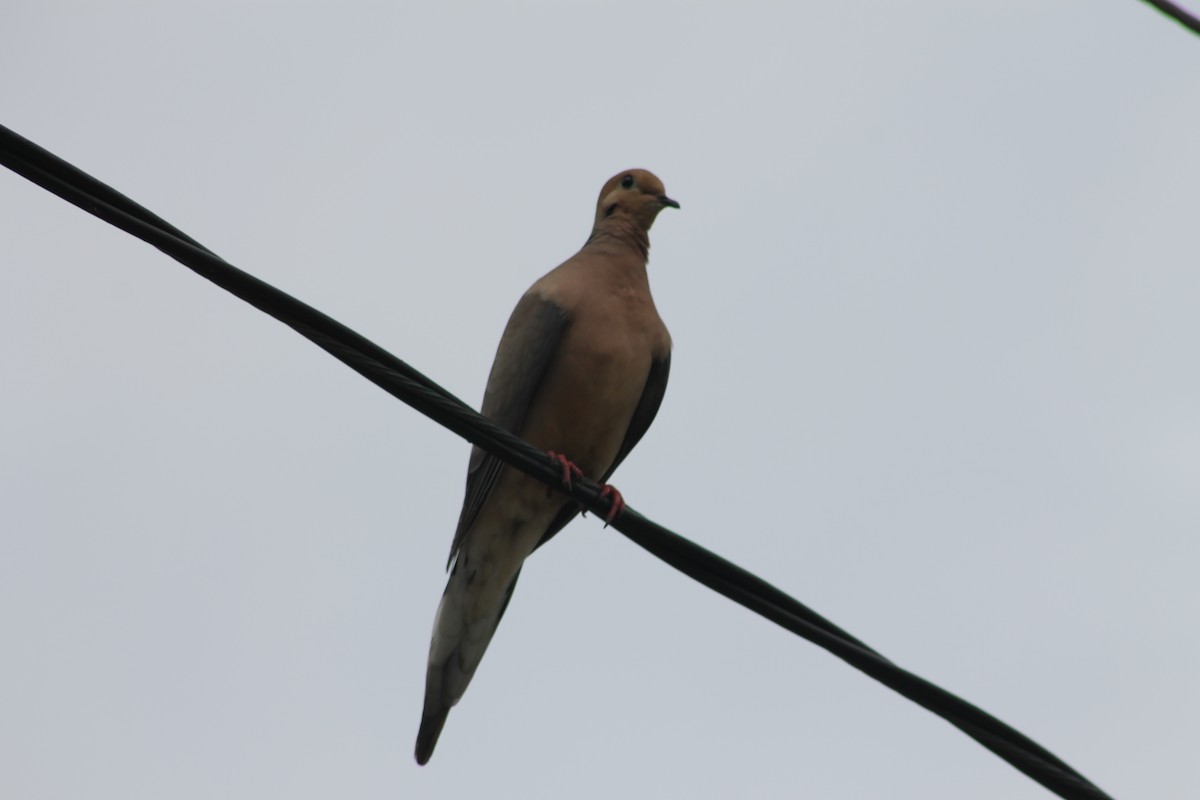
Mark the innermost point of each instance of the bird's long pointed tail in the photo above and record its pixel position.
(457, 647)
(432, 721)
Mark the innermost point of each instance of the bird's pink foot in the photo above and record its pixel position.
(568, 467)
(617, 502)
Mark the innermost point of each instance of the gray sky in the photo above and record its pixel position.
(934, 293)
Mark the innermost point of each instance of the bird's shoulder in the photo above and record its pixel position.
(606, 289)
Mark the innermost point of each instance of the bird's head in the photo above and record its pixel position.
(634, 194)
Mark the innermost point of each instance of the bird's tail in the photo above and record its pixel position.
(432, 721)
(458, 646)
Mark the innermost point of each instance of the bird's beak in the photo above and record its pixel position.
(666, 201)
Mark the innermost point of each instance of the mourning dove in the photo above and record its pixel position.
(580, 372)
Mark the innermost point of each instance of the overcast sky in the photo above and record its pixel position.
(935, 297)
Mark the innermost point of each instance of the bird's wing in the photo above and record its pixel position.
(646, 411)
(526, 349)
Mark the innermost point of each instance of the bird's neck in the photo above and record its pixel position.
(619, 234)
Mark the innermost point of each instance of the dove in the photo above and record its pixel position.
(580, 372)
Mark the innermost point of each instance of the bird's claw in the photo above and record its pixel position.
(568, 467)
(570, 471)
(616, 502)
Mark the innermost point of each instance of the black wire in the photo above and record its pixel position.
(1177, 13)
(402, 381)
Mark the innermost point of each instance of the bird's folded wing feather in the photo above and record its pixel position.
(526, 349)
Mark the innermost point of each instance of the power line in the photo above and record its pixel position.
(1177, 13)
(407, 384)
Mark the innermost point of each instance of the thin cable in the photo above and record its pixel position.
(407, 384)
(1177, 13)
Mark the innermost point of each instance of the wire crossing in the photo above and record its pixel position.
(412, 387)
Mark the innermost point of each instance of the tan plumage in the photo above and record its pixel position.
(580, 370)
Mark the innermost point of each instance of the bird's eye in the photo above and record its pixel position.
(627, 182)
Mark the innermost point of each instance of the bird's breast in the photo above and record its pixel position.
(591, 389)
